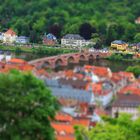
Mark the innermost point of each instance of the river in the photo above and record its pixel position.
(114, 66)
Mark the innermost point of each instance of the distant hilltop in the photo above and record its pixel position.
(109, 19)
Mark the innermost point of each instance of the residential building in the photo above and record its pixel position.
(49, 39)
(119, 45)
(97, 73)
(9, 37)
(126, 103)
(128, 75)
(22, 40)
(75, 40)
(102, 92)
(132, 88)
(118, 81)
(68, 92)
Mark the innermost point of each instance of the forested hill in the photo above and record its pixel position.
(30, 17)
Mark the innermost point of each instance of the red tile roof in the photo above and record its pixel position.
(65, 137)
(17, 61)
(80, 121)
(128, 75)
(133, 88)
(63, 127)
(10, 32)
(100, 71)
(116, 77)
(63, 117)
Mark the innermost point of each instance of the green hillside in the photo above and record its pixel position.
(112, 19)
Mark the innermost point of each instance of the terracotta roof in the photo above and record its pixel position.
(97, 87)
(10, 32)
(80, 121)
(16, 60)
(63, 117)
(116, 77)
(100, 71)
(26, 67)
(63, 127)
(65, 137)
(126, 74)
(133, 88)
(42, 72)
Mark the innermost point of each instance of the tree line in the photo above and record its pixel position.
(110, 20)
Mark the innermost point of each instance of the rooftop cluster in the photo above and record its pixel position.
(85, 94)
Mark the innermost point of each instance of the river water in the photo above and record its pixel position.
(114, 66)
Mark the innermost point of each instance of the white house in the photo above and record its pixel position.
(74, 40)
(9, 37)
(22, 40)
(126, 103)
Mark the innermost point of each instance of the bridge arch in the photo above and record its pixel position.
(46, 64)
(90, 57)
(70, 59)
(58, 62)
(82, 58)
(97, 56)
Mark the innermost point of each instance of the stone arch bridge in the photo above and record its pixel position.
(65, 59)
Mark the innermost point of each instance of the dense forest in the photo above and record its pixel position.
(105, 19)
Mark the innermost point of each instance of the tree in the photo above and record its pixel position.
(55, 30)
(97, 39)
(121, 128)
(26, 107)
(85, 30)
(112, 33)
(137, 37)
(134, 69)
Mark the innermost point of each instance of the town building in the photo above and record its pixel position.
(132, 88)
(126, 103)
(75, 40)
(22, 40)
(49, 39)
(97, 73)
(9, 37)
(119, 45)
(129, 76)
(102, 92)
(68, 92)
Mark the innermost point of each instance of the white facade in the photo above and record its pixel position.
(22, 40)
(9, 38)
(104, 99)
(75, 43)
(130, 110)
(75, 40)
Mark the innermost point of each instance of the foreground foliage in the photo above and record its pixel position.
(134, 69)
(122, 128)
(26, 106)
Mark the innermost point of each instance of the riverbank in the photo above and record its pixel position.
(16, 49)
(50, 51)
(123, 57)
